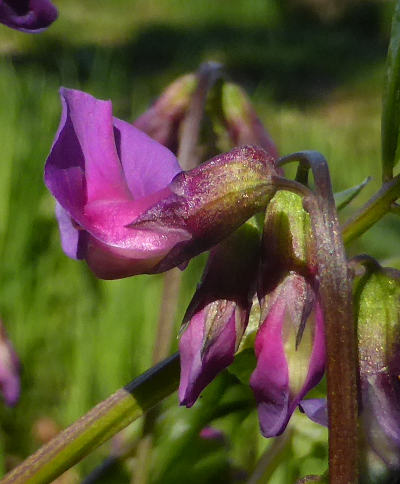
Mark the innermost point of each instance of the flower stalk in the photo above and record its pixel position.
(374, 209)
(336, 299)
(99, 424)
(188, 140)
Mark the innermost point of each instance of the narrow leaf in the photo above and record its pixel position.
(391, 101)
(342, 199)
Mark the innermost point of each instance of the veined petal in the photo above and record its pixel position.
(85, 149)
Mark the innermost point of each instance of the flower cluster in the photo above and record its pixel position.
(124, 206)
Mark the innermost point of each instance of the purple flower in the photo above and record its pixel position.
(289, 346)
(31, 16)
(122, 202)
(218, 313)
(286, 368)
(9, 370)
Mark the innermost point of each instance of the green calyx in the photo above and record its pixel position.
(235, 103)
(377, 302)
(287, 232)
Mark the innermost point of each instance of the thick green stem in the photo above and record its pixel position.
(379, 205)
(98, 425)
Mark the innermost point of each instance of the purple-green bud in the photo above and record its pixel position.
(241, 120)
(287, 239)
(163, 119)
(377, 301)
(211, 201)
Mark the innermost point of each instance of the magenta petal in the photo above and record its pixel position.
(197, 370)
(92, 123)
(316, 410)
(270, 379)
(31, 16)
(148, 166)
(93, 160)
(73, 240)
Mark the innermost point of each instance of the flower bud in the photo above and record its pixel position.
(377, 300)
(162, 120)
(242, 122)
(289, 345)
(219, 311)
(211, 201)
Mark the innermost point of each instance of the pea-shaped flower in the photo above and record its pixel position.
(124, 205)
(289, 345)
(31, 16)
(219, 312)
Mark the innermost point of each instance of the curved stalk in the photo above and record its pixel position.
(99, 424)
(340, 338)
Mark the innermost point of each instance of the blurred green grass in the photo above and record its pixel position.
(79, 338)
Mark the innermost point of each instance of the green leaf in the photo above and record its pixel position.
(342, 199)
(391, 101)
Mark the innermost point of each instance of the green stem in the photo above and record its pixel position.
(98, 425)
(272, 458)
(379, 205)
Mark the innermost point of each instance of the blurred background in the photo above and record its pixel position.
(314, 71)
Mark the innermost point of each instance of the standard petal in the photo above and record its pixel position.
(85, 175)
(148, 166)
(83, 165)
(30, 16)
